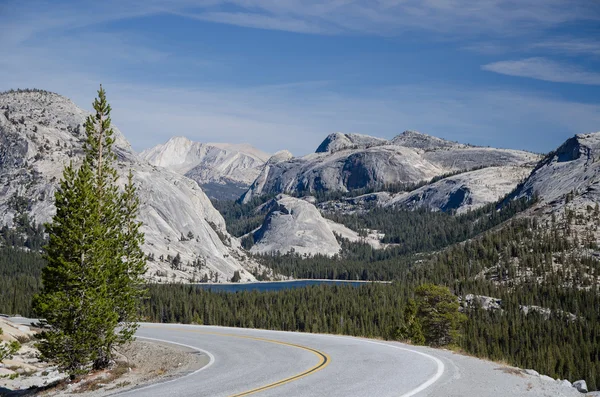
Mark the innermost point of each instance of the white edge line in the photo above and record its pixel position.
(210, 362)
(426, 384)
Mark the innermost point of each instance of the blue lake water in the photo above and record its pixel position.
(274, 286)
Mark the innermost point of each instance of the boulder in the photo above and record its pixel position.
(581, 386)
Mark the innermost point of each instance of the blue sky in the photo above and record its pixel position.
(282, 74)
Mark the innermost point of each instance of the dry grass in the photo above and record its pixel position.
(24, 339)
(511, 370)
(103, 379)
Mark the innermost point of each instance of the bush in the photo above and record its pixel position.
(8, 349)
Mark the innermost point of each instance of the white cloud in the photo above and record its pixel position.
(260, 21)
(544, 69)
(570, 46)
(276, 118)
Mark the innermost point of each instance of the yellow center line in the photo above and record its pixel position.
(324, 359)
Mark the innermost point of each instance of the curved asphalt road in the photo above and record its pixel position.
(271, 363)
(243, 362)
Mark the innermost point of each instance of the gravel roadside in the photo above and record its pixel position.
(138, 364)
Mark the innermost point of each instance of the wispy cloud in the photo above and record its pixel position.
(261, 21)
(544, 69)
(384, 17)
(44, 46)
(272, 118)
(570, 46)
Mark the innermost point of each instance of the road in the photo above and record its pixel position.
(270, 363)
(243, 362)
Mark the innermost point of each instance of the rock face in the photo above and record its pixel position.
(40, 132)
(481, 301)
(463, 192)
(296, 225)
(417, 140)
(572, 168)
(223, 170)
(339, 141)
(346, 162)
(459, 193)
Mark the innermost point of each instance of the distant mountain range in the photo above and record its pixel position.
(223, 170)
(345, 162)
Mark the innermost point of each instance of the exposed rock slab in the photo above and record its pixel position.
(296, 225)
(464, 192)
(572, 168)
(459, 193)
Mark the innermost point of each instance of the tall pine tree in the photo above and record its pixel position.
(92, 284)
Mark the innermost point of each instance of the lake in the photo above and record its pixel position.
(274, 285)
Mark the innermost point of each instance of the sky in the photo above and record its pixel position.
(283, 74)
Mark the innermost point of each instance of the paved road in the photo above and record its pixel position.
(271, 363)
(246, 362)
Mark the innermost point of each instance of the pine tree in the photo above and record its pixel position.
(437, 310)
(92, 283)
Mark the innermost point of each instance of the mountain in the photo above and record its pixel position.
(223, 170)
(40, 132)
(573, 168)
(296, 225)
(345, 162)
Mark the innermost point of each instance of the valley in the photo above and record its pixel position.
(517, 227)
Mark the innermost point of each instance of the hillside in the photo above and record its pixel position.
(42, 131)
(293, 225)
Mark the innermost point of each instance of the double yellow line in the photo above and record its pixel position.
(324, 360)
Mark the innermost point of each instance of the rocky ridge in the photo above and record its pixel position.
(345, 162)
(566, 184)
(573, 168)
(40, 132)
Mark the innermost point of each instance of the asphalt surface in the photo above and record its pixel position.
(243, 362)
(270, 363)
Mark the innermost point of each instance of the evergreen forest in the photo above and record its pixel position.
(525, 264)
